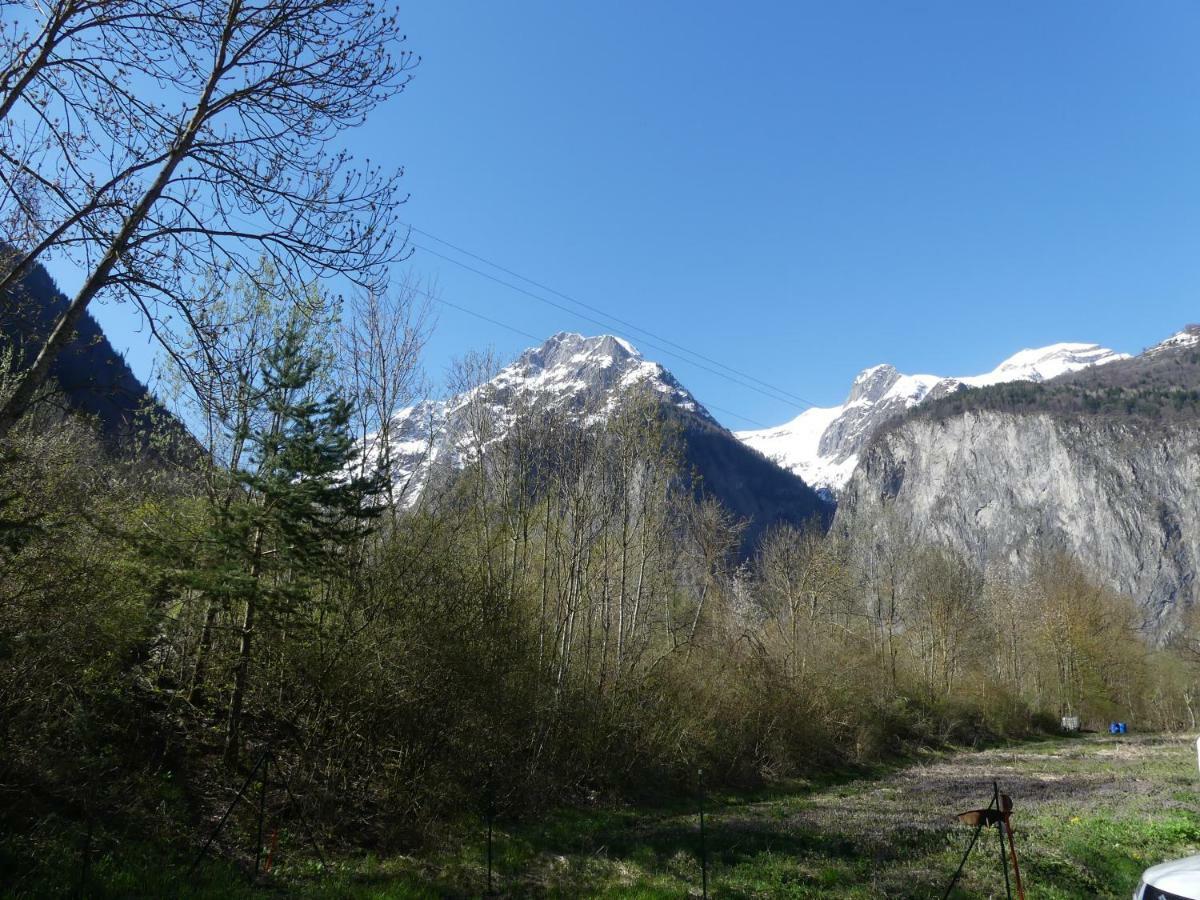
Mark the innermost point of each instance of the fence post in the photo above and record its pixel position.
(491, 815)
(1000, 831)
(703, 842)
(262, 810)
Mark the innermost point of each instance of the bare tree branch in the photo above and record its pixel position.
(238, 165)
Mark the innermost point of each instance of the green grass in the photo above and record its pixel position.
(1090, 814)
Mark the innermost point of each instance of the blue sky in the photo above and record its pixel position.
(801, 190)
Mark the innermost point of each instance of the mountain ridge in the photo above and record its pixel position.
(588, 377)
(1100, 463)
(89, 374)
(822, 445)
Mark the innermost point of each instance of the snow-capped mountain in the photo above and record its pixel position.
(1099, 463)
(588, 377)
(579, 372)
(822, 444)
(1189, 337)
(569, 371)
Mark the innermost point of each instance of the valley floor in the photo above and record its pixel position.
(1090, 814)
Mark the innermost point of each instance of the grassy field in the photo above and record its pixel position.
(1090, 814)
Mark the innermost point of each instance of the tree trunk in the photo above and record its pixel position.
(200, 671)
(241, 675)
(233, 735)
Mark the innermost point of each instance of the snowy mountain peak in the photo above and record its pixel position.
(871, 384)
(1043, 363)
(572, 349)
(1189, 337)
(585, 371)
(821, 445)
(585, 376)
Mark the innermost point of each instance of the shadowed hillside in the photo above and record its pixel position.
(90, 378)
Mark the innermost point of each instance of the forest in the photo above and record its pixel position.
(1154, 389)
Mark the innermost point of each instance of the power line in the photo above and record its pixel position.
(440, 300)
(773, 396)
(444, 302)
(779, 395)
(730, 412)
(544, 287)
(478, 315)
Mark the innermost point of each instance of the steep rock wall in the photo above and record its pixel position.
(1122, 496)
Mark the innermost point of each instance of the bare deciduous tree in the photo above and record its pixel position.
(152, 143)
(380, 347)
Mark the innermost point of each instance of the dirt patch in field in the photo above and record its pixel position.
(915, 810)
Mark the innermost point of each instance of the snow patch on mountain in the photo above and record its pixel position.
(1045, 363)
(1189, 337)
(822, 444)
(796, 446)
(587, 376)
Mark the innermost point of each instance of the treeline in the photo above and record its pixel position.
(1162, 388)
(1140, 400)
(562, 621)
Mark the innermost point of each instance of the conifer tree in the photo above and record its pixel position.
(306, 503)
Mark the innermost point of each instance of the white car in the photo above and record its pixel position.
(1175, 880)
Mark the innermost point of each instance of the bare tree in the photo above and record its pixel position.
(803, 576)
(946, 615)
(469, 382)
(234, 161)
(380, 347)
(67, 95)
(887, 550)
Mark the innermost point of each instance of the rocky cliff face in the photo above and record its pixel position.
(822, 444)
(1104, 465)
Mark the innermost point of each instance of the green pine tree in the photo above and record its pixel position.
(304, 509)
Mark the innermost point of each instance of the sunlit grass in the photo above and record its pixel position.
(1091, 814)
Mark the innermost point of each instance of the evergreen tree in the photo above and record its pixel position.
(305, 504)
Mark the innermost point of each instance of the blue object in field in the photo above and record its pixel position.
(1116, 728)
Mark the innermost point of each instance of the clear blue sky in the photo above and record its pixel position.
(801, 190)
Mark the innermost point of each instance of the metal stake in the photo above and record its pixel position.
(304, 823)
(262, 812)
(1000, 831)
(85, 868)
(212, 837)
(489, 850)
(971, 846)
(703, 842)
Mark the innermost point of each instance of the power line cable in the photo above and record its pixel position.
(478, 315)
(595, 309)
(594, 321)
(438, 299)
(441, 300)
(779, 395)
